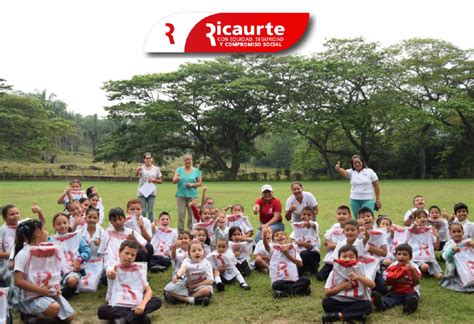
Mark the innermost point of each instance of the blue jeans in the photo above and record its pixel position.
(357, 204)
(147, 206)
(278, 226)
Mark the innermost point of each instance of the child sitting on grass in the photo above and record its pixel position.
(129, 296)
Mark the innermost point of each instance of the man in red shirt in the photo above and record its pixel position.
(269, 209)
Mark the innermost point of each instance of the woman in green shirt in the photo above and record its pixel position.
(188, 179)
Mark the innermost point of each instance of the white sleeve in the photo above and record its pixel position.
(312, 200)
(103, 243)
(209, 271)
(373, 175)
(20, 261)
(329, 280)
(139, 238)
(288, 203)
(349, 171)
(407, 215)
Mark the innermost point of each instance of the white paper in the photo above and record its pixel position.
(147, 189)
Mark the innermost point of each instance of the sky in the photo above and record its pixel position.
(71, 47)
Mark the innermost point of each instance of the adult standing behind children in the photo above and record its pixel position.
(299, 200)
(268, 209)
(187, 179)
(364, 185)
(148, 173)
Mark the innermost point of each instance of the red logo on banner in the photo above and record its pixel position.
(247, 32)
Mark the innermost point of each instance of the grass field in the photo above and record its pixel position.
(257, 305)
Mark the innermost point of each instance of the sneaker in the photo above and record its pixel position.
(157, 268)
(244, 286)
(220, 286)
(378, 301)
(279, 294)
(202, 301)
(148, 319)
(307, 292)
(170, 299)
(120, 320)
(330, 317)
(411, 305)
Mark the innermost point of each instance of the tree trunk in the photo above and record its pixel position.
(422, 163)
(235, 167)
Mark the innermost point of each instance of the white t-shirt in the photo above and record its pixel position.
(340, 274)
(127, 289)
(335, 234)
(197, 272)
(282, 268)
(163, 240)
(109, 246)
(302, 233)
(7, 239)
(308, 200)
(132, 223)
(361, 183)
(90, 239)
(358, 244)
(181, 255)
(153, 172)
(443, 229)
(226, 259)
(378, 238)
(243, 248)
(422, 242)
(260, 249)
(468, 229)
(239, 220)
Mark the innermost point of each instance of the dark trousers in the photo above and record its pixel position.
(292, 288)
(380, 284)
(392, 298)
(145, 255)
(160, 260)
(107, 312)
(244, 268)
(323, 274)
(351, 310)
(310, 262)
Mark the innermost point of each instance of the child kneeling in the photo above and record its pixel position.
(404, 277)
(192, 283)
(129, 296)
(346, 292)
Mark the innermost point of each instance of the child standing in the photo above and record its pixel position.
(240, 245)
(306, 236)
(223, 263)
(333, 236)
(75, 251)
(454, 246)
(162, 241)
(424, 239)
(192, 283)
(129, 296)
(71, 193)
(346, 290)
(40, 297)
(404, 278)
(284, 263)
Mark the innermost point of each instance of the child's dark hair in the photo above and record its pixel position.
(346, 208)
(208, 198)
(5, 210)
(75, 181)
(351, 222)
(347, 248)
(89, 191)
(83, 199)
(460, 206)
(130, 244)
(276, 231)
(93, 194)
(380, 218)
(25, 232)
(164, 213)
(417, 213)
(92, 210)
(117, 211)
(404, 247)
(235, 205)
(309, 209)
(417, 196)
(71, 203)
(185, 233)
(202, 229)
(134, 201)
(232, 230)
(222, 239)
(365, 210)
(434, 207)
(451, 225)
(57, 215)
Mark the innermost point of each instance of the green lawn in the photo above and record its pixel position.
(257, 305)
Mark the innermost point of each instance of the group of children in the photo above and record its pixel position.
(369, 262)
